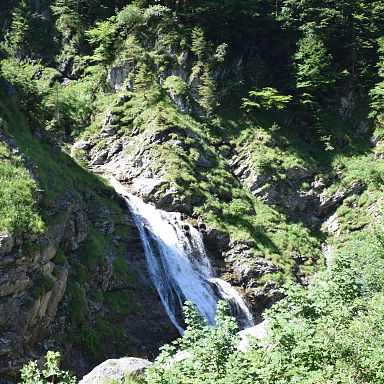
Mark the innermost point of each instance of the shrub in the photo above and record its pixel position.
(210, 348)
(31, 374)
(265, 98)
(44, 283)
(176, 85)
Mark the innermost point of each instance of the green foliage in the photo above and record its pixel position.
(208, 92)
(18, 196)
(176, 85)
(199, 43)
(81, 274)
(210, 348)
(20, 74)
(349, 27)
(77, 303)
(94, 250)
(313, 67)
(71, 106)
(316, 51)
(377, 93)
(17, 37)
(121, 301)
(60, 258)
(103, 37)
(97, 295)
(91, 338)
(130, 16)
(68, 24)
(31, 374)
(43, 284)
(123, 271)
(330, 333)
(265, 98)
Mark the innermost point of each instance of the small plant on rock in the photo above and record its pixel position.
(31, 374)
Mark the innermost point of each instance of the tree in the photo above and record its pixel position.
(377, 93)
(18, 36)
(102, 36)
(313, 67)
(266, 98)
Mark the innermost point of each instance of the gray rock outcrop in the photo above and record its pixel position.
(115, 369)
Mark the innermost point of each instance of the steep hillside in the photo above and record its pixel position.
(71, 262)
(259, 121)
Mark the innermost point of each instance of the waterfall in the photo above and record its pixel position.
(178, 264)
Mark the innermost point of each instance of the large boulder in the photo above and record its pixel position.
(115, 369)
(257, 332)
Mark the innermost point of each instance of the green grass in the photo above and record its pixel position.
(60, 258)
(18, 195)
(92, 338)
(58, 174)
(76, 303)
(93, 251)
(122, 302)
(123, 271)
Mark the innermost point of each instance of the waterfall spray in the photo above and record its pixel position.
(178, 264)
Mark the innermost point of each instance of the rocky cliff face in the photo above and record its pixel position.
(84, 280)
(157, 162)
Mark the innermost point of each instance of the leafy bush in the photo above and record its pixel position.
(331, 333)
(176, 85)
(31, 374)
(210, 348)
(265, 98)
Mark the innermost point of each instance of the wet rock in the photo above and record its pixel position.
(6, 244)
(115, 369)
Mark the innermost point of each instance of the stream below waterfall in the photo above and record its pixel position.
(178, 264)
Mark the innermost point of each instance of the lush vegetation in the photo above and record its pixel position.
(32, 374)
(331, 332)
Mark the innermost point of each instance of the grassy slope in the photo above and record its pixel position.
(212, 191)
(60, 179)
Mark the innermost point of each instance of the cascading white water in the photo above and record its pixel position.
(178, 264)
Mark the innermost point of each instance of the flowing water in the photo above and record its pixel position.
(178, 264)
